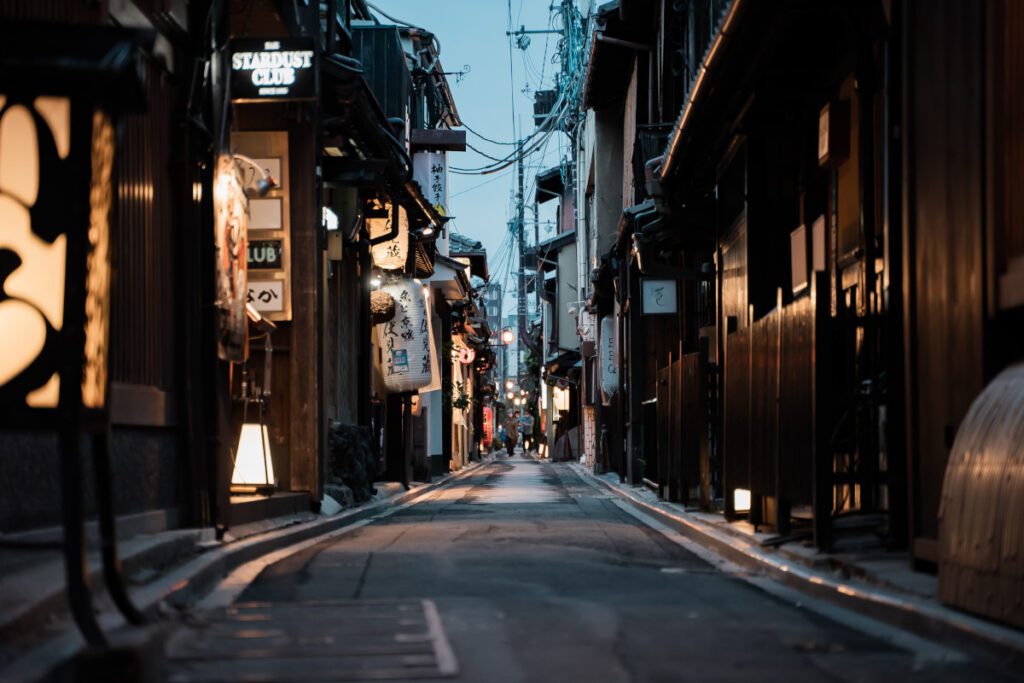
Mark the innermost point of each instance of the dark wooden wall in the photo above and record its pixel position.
(943, 244)
(142, 326)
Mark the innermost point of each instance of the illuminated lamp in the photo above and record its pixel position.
(509, 384)
(741, 500)
(58, 142)
(507, 336)
(510, 395)
(406, 339)
(389, 246)
(254, 469)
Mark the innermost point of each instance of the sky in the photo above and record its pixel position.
(472, 38)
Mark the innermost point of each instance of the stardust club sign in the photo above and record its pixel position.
(272, 70)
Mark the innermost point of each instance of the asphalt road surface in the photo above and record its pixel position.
(521, 571)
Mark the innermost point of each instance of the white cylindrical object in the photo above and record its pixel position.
(405, 340)
(609, 354)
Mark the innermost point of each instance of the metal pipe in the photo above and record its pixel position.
(76, 576)
(107, 526)
(619, 42)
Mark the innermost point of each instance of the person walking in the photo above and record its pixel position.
(511, 432)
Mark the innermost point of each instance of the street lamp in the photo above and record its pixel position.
(507, 336)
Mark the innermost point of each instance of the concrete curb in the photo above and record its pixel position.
(185, 584)
(915, 614)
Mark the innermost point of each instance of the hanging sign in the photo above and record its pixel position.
(609, 357)
(274, 70)
(659, 296)
(390, 254)
(265, 254)
(266, 295)
(488, 426)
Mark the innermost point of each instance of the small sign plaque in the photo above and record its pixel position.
(265, 254)
(267, 295)
(659, 296)
(272, 69)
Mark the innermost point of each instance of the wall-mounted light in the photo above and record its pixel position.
(330, 219)
(741, 500)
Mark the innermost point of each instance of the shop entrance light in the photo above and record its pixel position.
(741, 500)
(254, 468)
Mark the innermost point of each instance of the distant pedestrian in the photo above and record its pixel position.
(512, 432)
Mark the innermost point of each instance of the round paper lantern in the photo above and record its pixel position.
(405, 339)
(609, 357)
(391, 254)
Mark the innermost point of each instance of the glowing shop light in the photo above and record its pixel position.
(254, 467)
(741, 500)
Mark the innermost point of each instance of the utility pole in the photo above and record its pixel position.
(521, 300)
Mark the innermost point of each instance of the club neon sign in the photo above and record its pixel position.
(272, 69)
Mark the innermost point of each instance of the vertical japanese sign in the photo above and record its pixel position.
(430, 170)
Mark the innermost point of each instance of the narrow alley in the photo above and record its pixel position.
(536, 576)
(511, 340)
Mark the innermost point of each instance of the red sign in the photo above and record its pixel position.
(488, 425)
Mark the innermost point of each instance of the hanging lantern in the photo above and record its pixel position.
(56, 158)
(609, 357)
(408, 354)
(392, 253)
(466, 355)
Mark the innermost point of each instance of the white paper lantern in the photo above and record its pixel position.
(392, 254)
(405, 340)
(609, 356)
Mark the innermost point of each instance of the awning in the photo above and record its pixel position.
(610, 65)
(549, 185)
(473, 250)
(547, 251)
(563, 365)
